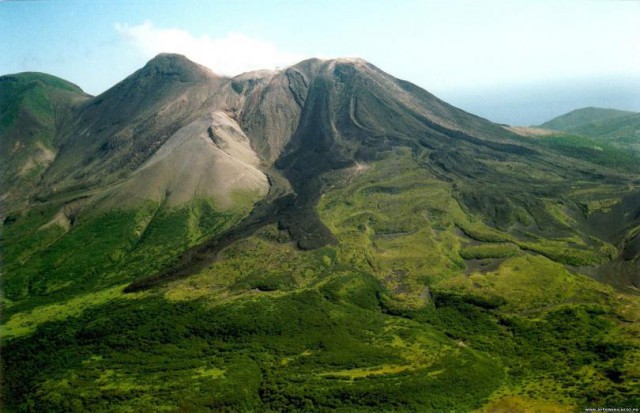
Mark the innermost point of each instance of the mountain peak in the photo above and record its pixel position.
(175, 66)
(318, 62)
(169, 57)
(358, 61)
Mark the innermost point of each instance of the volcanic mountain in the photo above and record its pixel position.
(324, 236)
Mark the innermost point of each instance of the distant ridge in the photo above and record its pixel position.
(618, 128)
(576, 120)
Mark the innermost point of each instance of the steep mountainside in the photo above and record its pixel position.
(35, 110)
(323, 237)
(115, 133)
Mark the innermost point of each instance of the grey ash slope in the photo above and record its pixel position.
(346, 109)
(116, 132)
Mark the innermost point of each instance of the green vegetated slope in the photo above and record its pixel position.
(577, 119)
(421, 306)
(45, 260)
(599, 151)
(617, 128)
(442, 268)
(34, 110)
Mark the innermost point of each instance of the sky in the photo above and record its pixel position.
(518, 62)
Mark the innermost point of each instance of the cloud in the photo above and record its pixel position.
(231, 55)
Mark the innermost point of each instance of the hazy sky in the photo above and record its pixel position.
(518, 62)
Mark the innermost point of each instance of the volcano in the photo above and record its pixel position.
(320, 237)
